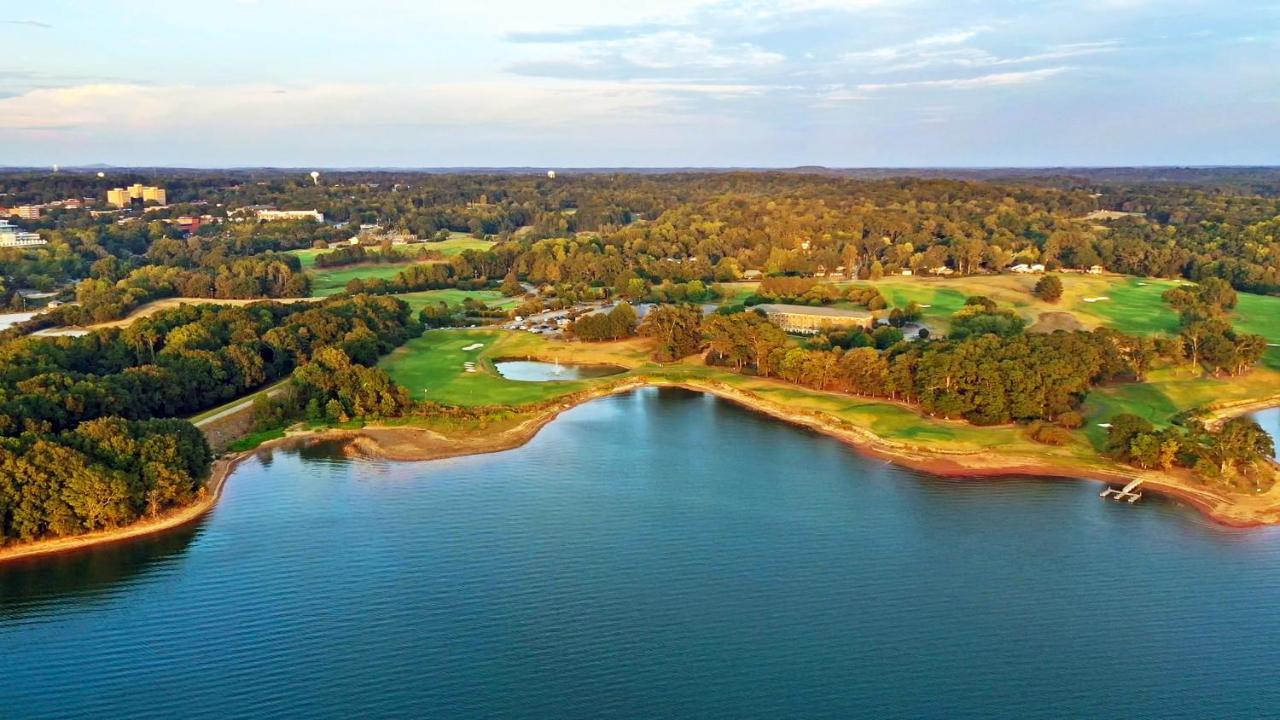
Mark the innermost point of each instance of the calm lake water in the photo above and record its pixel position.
(654, 554)
(1270, 421)
(534, 371)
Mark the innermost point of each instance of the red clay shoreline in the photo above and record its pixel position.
(413, 444)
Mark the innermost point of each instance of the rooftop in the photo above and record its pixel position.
(811, 310)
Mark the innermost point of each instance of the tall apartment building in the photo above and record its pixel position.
(124, 197)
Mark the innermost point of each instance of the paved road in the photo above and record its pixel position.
(238, 407)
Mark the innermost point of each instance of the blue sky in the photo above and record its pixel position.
(575, 83)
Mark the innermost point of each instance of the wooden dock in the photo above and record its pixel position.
(1129, 493)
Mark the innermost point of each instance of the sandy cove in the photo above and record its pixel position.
(407, 443)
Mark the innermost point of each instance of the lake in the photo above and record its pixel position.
(535, 371)
(1269, 419)
(654, 554)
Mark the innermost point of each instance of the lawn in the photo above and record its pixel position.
(1134, 305)
(1260, 314)
(456, 243)
(453, 296)
(307, 257)
(431, 366)
(1131, 304)
(330, 281)
(333, 281)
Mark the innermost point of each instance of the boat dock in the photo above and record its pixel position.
(1128, 493)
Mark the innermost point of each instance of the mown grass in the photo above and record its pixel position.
(253, 440)
(1260, 314)
(307, 257)
(1170, 391)
(333, 281)
(457, 243)
(431, 367)
(453, 296)
(1133, 305)
(325, 282)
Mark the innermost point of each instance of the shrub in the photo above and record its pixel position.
(1071, 420)
(1047, 434)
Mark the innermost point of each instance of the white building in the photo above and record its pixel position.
(269, 215)
(11, 236)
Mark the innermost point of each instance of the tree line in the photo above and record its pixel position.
(1236, 452)
(87, 438)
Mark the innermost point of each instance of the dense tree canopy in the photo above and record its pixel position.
(83, 439)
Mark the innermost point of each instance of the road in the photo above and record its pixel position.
(240, 405)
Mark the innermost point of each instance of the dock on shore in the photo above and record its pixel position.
(1129, 493)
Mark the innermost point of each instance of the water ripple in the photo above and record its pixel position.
(652, 554)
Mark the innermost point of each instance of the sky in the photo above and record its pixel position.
(645, 83)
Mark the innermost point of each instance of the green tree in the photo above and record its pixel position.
(677, 330)
(1049, 289)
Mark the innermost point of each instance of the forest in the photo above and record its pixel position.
(88, 430)
(594, 228)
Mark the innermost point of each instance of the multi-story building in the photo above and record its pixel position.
(807, 320)
(139, 193)
(27, 212)
(12, 236)
(268, 215)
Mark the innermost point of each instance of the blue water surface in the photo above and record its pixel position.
(655, 554)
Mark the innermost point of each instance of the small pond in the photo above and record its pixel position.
(535, 371)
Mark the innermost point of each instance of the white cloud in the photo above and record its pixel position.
(150, 107)
(982, 81)
(937, 51)
(912, 48)
(672, 49)
(661, 51)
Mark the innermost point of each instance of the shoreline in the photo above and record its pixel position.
(176, 518)
(406, 443)
(1226, 411)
